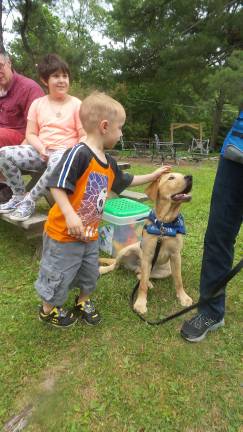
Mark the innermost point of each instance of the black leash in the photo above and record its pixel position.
(216, 289)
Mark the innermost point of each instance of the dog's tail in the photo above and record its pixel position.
(110, 264)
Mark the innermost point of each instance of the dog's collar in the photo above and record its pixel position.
(160, 228)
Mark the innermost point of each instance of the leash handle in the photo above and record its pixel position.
(217, 287)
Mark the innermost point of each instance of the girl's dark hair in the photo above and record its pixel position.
(50, 64)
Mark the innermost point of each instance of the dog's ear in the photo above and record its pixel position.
(152, 189)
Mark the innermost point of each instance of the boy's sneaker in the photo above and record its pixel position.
(87, 312)
(58, 317)
(197, 327)
(10, 205)
(24, 211)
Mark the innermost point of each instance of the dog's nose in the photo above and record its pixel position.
(188, 178)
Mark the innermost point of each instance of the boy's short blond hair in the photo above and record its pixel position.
(97, 107)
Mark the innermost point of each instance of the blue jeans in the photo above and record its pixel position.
(224, 223)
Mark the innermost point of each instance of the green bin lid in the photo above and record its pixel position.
(124, 207)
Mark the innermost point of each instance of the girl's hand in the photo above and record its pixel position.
(44, 154)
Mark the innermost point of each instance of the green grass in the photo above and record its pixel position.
(123, 376)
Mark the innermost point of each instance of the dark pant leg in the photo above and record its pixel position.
(224, 223)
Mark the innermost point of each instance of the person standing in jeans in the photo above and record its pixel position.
(225, 219)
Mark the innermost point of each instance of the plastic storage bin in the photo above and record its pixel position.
(123, 225)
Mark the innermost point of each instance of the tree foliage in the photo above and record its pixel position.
(165, 60)
(176, 49)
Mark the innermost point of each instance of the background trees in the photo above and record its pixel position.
(182, 51)
(167, 61)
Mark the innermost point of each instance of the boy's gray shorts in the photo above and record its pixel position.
(65, 266)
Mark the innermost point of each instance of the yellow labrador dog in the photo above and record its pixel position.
(164, 222)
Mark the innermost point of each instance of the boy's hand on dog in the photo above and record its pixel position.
(162, 170)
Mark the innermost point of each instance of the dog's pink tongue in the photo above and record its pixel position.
(182, 197)
(178, 196)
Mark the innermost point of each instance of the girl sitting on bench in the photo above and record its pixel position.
(53, 126)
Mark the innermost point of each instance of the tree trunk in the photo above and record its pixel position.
(151, 127)
(219, 104)
(1, 27)
(26, 14)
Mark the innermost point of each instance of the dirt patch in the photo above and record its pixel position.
(51, 375)
(19, 421)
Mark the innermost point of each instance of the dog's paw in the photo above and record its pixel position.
(140, 306)
(185, 300)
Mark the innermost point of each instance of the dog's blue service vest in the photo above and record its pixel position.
(165, 229)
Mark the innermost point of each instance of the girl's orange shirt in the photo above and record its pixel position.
(58, 128)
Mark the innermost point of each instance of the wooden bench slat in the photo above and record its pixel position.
(124, 165)
(137, 196)
(37, 219)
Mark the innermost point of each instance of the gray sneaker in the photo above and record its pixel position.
(198, 326)
(11, 205)
(24, 210)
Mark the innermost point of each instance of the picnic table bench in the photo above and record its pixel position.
(33, 227)
(199, 149)
(165, 149)
(141, 149)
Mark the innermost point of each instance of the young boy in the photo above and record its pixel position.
(80, 185)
